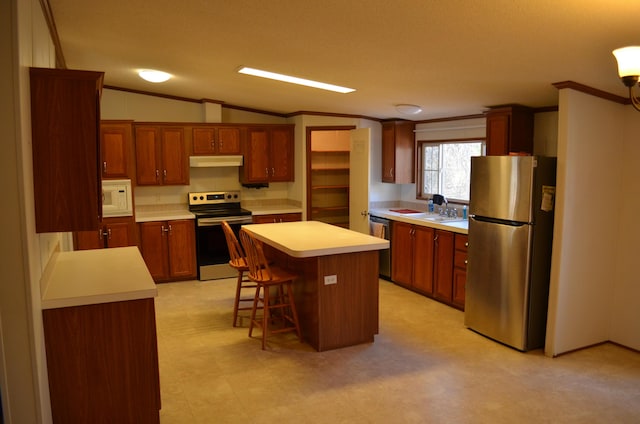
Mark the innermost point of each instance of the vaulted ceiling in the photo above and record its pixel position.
(453, 58)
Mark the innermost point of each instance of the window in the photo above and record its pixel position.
(445, 167)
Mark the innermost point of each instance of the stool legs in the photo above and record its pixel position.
(282, 302)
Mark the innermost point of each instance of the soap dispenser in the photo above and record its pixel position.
(430, 205)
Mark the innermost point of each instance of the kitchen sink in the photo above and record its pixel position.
(440, 218)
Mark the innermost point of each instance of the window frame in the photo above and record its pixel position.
(419, 162)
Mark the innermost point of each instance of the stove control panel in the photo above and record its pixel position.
(213, 197)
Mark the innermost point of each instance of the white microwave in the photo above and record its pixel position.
(116, 198)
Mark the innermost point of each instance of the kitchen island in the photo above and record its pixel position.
(336, 294)
(100, 337)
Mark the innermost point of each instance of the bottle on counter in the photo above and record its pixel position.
(430, 205)
(464, 212)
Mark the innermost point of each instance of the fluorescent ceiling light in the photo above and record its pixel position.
(294, 80)
(153, 75)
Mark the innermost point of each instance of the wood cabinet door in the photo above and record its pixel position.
(459, 282)
(443, 265)
(153, 245)
(256, 156)
(85, 240)
(182, 248)
(115, 148)
(228, 141)
(423, 259)
(204, 141)
(120, 232)
(402, 253)
(281, 154)
(388, 152)
(65, 116)
(175, 168)
(147, 156)
(498, 130)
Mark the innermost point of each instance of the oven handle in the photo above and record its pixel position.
(209, 222)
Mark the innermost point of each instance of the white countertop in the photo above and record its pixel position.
(305, 239)
(86, 277)
(461, 226)
(146, 213)
(271, 209)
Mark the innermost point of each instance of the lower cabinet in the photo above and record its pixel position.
(102, 362)
(114, 232)
(412, 256)
(422, 259)
(460, 269)
(280, 217)
(169, 249)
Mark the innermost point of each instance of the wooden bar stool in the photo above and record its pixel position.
(238, 262)
(278, 305)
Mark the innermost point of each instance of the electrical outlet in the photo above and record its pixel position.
(330, 279)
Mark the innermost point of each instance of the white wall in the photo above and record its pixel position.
(592, 275)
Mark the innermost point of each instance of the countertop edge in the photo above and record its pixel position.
(460, 227)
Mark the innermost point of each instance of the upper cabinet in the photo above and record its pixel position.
(509, 130)
(216, 140)
(398, 152)
(65, 119)
(116, 149)
(161, 155)
(268, 154)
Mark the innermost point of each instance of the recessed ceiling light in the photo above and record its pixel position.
(153, 75)
(294, 80)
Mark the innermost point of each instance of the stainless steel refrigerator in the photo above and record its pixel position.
(509, 255)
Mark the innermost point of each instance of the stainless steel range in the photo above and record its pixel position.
(210, 209)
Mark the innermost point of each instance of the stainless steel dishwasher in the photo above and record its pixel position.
(385, 255)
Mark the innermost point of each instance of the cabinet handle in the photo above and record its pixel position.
(157, 175)
(466, 244)
(165, 229)
(213, 144)
(466, 261)
(435, 238)
(104, 167)
(108, 233)
(391, 172)
(164, 173)
(170, 229)
(364, 213)
(101, 234)
(266, 171)
(273, 172)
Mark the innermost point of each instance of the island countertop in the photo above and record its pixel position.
(85, 277)
(304, 239)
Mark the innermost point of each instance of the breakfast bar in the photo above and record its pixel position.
(336, 293)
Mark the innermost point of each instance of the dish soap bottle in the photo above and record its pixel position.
(430, 205)
(464, 212)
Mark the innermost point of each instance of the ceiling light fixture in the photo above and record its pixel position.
(407, 109)
(294, 80)
(152, 75)
(629, 69)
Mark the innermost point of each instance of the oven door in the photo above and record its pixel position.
(211, 246)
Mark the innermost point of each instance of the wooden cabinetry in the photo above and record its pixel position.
(398, 152)
(412, 256)
(268, 154)
(116, 149)
(429, 261)
(168, 249)
(460, 269)
(509, 130)
(216, 140)
(443, 266)
(114, 232)
(102, 362)
(161, 155)
(278, 217)
(65, 116)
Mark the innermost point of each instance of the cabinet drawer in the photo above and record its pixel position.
(460, 259)
(462, 241)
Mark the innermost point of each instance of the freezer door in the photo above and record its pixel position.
(502, 187)
(497, 288)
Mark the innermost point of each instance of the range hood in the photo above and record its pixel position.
(215, 161)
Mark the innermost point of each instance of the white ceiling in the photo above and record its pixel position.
(452, 57)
